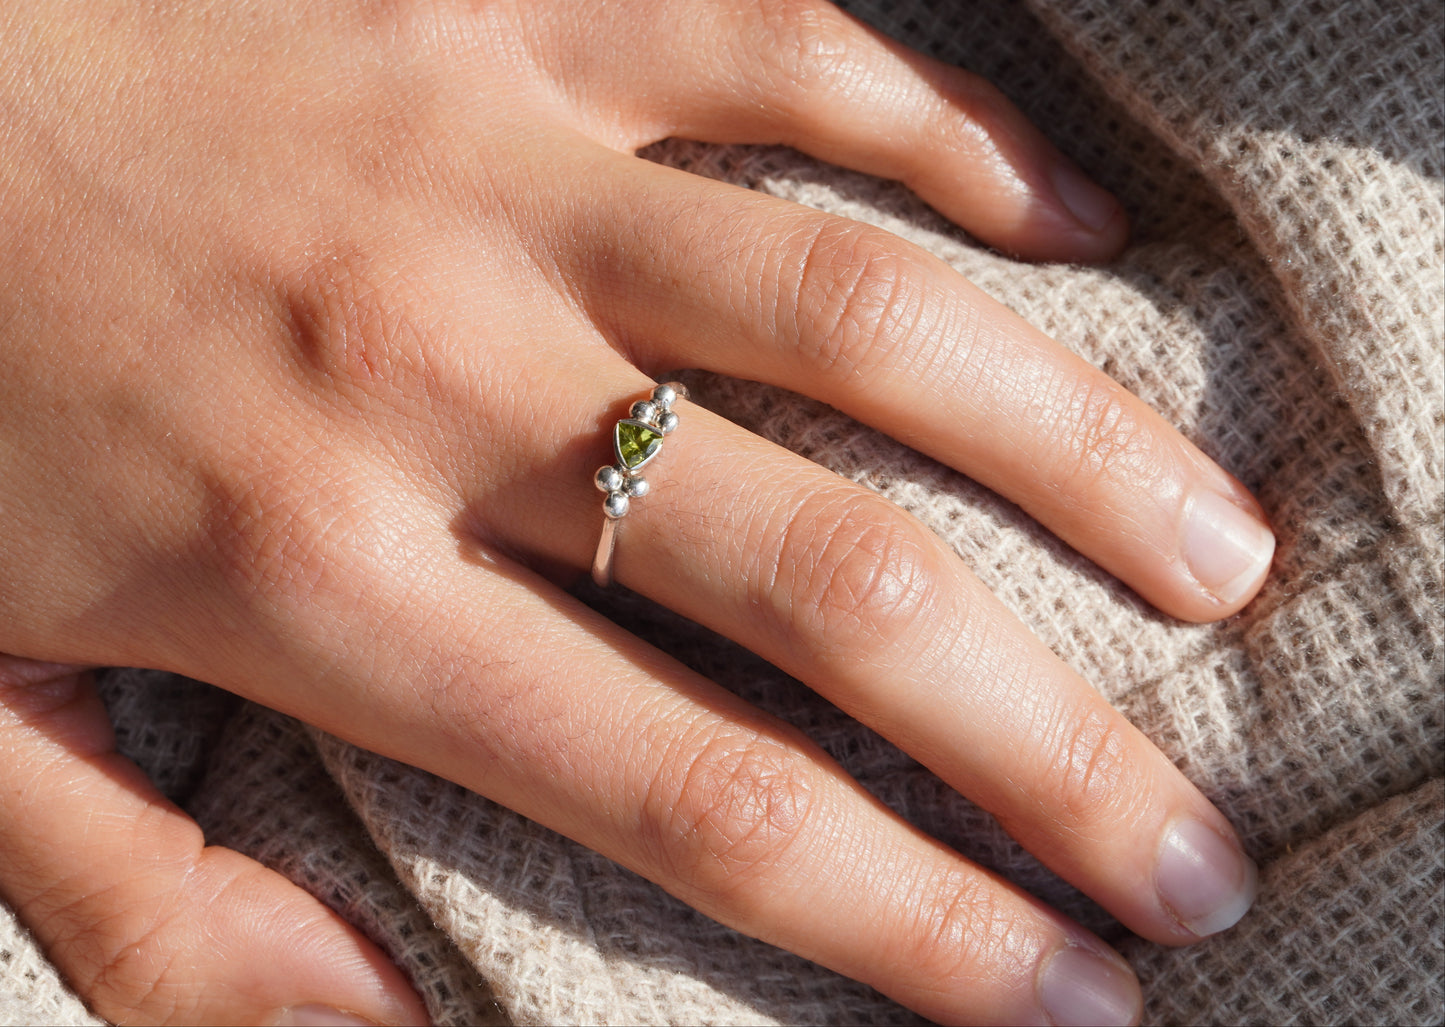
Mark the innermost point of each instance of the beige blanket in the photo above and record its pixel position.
(1283, 303)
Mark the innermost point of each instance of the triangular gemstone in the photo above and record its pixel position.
(636, 443)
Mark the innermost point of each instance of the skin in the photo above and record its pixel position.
(316, 319)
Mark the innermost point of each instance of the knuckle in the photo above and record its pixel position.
(133, 976)
(272, 535)
(977, 116)
(353, 327)
(123, 962)
(861, 299)
(854, 575)
(1097, 439)
(726, 812)
(1092, 772)
(955, 930)
(805, 45)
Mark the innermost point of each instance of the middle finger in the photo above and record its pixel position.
(884, 331)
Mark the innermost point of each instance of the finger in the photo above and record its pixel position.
(803, 73)
(520, 693)
(851, 595)
(884, 331)
(144, 920)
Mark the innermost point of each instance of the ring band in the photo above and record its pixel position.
(636, 439)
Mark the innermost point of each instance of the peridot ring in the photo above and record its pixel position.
(636, 439)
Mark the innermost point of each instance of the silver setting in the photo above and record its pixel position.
(609, 479)
(616, 505)
(621, 481)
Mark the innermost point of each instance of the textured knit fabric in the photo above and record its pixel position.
(1283, 303)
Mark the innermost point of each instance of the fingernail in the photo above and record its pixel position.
(1092, 206)
(1226, 547)
(312, 1015)
(1205, 880)
(1079, 986)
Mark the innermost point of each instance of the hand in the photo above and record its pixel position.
(317, 322)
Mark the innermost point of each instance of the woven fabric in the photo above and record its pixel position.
(1369, 952)
(1283, 304)
(32, 994)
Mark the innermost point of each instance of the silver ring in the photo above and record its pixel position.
(636, 439)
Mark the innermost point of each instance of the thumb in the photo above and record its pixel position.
(147, 922)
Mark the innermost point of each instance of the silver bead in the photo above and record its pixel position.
(615, 505)
(636, 487)
(667, 423)
(644, 410)
(664, 396)
(608, 479)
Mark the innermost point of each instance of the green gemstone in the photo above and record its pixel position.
(636, 443)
